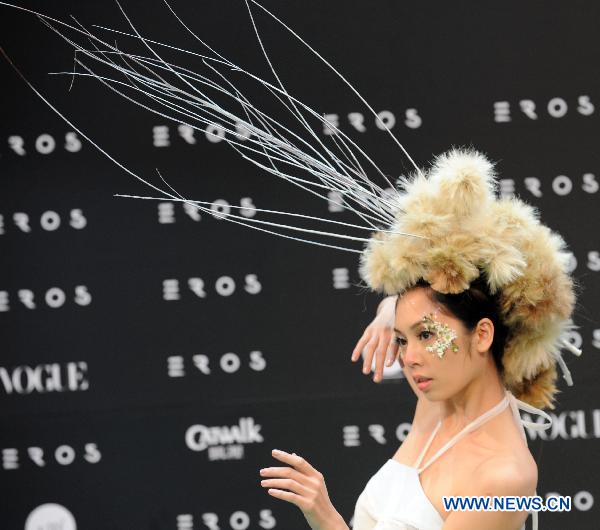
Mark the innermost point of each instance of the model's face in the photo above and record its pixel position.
(433, 344)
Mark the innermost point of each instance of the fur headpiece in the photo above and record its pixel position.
(468, 232)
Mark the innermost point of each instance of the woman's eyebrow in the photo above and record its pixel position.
(413, 327)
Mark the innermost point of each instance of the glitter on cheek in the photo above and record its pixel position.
(444, 333)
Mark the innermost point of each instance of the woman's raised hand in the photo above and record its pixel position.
(302, 485)
(377, 340)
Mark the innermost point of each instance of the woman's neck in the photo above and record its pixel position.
(479, 396)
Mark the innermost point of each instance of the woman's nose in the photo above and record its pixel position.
(412, 355)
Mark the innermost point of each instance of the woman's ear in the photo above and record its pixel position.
(484, 335)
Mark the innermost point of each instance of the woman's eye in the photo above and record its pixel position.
(426, 335)
(400, 341)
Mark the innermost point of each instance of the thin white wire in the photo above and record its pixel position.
(265, 210)
(336, 131)
(273, 145)
(155, 97)
(364, 101)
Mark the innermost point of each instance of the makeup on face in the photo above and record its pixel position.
(443, 333)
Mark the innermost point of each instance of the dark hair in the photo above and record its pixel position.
(470, 307)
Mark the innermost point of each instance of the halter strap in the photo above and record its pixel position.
(515, 405)
(476, 423)
(427, 445)
(508, 400)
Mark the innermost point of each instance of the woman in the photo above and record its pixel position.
(464, 390)
(483, 299)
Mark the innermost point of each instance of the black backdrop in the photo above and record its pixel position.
(151, 358)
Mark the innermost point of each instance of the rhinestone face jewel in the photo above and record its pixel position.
(445, 335)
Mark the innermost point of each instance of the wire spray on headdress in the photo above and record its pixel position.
(444, 226)
(191, 99)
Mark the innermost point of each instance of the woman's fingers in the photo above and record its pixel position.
(375, 346)
(301, 480)
(283, 473)
(288, 496)
(368, 353)
(360, 345)
(286, 484)
(392, 352)
(380, 356)
(304, 486)
(297, 462)
(377, 341)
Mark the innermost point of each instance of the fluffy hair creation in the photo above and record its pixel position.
(468, 232)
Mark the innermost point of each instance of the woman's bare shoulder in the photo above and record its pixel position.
(509, 473)
(499, 454)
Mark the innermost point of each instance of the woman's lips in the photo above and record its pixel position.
(424, 384)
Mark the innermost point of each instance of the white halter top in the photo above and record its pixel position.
(394, 499)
